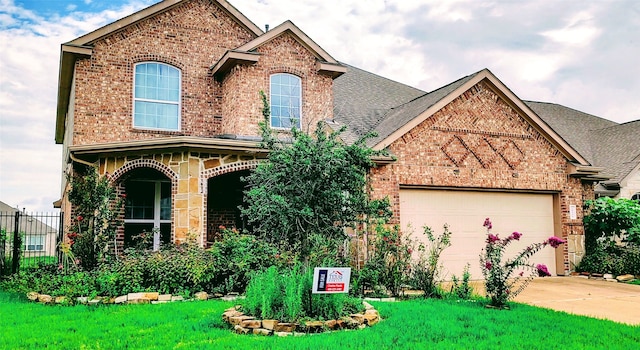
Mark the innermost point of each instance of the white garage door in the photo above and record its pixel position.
(465, 212)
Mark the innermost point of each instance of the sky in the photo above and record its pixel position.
(584, 54)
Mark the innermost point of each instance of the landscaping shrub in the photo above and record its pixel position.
(461, 289)
(501, 281)
(426, 269)
(285, 294)
(389, 265)
(609, 219)
(613, 259)
(51, 279)
(236, 256)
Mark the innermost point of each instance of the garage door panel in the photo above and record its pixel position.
(464, 212)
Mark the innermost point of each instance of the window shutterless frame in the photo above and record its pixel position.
(285, 98)
(157, 96)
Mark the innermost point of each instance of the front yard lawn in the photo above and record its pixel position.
(417, 324)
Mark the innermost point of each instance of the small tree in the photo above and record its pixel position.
(501, 281)
(93, 228)
(311, 185)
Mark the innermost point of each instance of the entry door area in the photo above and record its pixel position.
(465, 211)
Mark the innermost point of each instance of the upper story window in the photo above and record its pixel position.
(286, 100)
(156, 96)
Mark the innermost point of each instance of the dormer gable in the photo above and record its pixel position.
(247, 55)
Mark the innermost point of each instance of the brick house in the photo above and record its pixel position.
(166, 103)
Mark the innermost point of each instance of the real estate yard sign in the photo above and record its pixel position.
(328, 280)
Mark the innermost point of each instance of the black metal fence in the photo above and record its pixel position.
(28, 239)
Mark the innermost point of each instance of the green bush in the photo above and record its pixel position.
(236, 256)
(285, 294)
(426, 270)
(52, 280)
(612, 259)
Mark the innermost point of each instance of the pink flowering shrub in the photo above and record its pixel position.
(502, 283)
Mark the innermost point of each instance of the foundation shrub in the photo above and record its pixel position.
(612, 259)
(236, 256)
(427, 268)
(285, 294)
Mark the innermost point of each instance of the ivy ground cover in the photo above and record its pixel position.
(417, 324)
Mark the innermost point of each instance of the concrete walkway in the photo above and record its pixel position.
(619, 302)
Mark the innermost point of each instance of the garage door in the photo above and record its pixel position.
(465, 211)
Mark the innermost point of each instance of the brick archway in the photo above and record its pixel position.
(119, 177)
(222, 189)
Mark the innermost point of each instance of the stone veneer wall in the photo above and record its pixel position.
(479, 141)
(188, 172)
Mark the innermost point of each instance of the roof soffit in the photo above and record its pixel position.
(508, 96)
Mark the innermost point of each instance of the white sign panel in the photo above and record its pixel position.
(328, 280)
(573, 214)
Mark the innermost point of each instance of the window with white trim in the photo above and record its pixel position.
(286, 100)
(148, 212)
(34, 243)
(156, 96)
(636, 197)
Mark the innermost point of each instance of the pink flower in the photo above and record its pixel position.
(487, 224)
(488, 265)
(542, 270)
(521, 273)
(516, 235)
(491, 238)
(554, 241)
(79, 218)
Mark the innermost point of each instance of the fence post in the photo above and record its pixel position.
(17, 244)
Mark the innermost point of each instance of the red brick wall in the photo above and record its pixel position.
(283, 54)
(479, 141)
(192, 37)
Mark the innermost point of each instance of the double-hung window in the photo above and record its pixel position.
(156, 96)
(34, 243)
(286, 100)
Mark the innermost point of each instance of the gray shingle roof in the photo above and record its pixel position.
(572, 125)
(617, 148)
(366, 102)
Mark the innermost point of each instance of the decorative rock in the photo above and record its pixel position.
(625, 278)
(367, 306)
(314, 326)
(236, 320)
(82, 300)
(241, 330)
(217, 295)
(371, 319)
(61, 300)
(331, 324)
(164, 297)
(269, 324)
(159, 301)
(358, 318)
(44, 298)
(151, 295)
(33, 296)
(232, 313)
(121, 299)
(229, 297)
(261, 331)
(251, 324)
(285, 327)
(611, 280)
(201, 296)
(133, 296)
(282, 334)
(177, 298)
(95, 301)
(139, 301)
(607, 276)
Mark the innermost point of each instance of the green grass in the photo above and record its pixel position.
(416, 324)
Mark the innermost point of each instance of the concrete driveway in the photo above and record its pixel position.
(613, 301)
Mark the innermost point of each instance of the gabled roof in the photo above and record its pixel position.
(245, 54)
(617, 148)
(82, 47)
(574, 126)
(391, 122)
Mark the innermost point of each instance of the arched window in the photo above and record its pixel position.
(156, 96)
(286, 100)
(636, 197)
